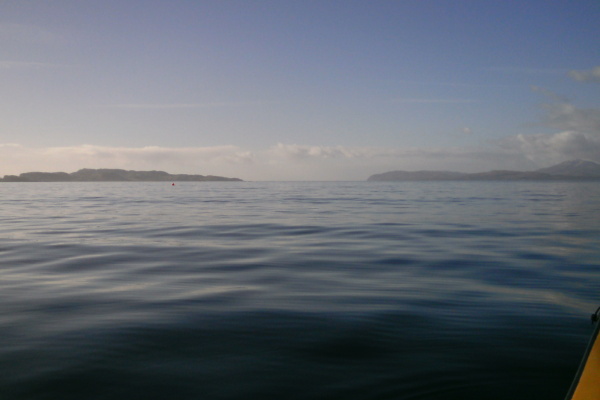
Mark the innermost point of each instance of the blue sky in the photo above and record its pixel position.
(298, 90)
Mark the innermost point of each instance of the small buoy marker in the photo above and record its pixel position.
(173, 184)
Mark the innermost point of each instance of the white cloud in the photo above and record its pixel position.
(278, 162)
(204, 160)
(578, 136)
(548, 149)
(592, 75)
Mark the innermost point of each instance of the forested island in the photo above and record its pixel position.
(568, 170)
(111, 175)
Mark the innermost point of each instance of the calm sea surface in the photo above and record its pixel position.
(338, 290)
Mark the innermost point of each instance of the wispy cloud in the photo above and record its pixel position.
(563, 115)
(25, 33)
(31, 65)
(174, 106)
(529, 70)
(446, 83)
(432, 101)
(592, 75)
(433, 83)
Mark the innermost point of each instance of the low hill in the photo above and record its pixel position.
(110, 175)
(568, 170)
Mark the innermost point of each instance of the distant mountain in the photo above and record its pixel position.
(573, 168)
(568, 170)
(110, 175)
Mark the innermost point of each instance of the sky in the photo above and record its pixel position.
(298, 90)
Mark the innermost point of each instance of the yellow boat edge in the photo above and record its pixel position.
(586, 385)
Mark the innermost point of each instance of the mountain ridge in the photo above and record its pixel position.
(111, 175)
(568, 170)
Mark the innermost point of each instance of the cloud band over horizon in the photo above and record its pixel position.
(305, 162)
(576, 136)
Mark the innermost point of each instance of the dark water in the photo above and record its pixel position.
(366, 290)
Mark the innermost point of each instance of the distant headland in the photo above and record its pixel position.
(569, 170)
(111, 175)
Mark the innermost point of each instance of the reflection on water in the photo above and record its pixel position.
(365, 290)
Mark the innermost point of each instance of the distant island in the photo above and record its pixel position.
(111, 175)
(568, 170)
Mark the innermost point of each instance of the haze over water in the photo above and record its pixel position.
(353, 290)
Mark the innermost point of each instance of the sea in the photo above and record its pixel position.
(296, 290)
